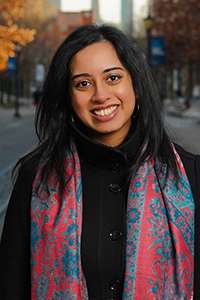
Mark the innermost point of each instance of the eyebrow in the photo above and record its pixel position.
(89, 75)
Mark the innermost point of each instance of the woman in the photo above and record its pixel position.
(104, 207)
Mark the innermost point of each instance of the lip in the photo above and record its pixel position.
(105, 118)
(99, 107)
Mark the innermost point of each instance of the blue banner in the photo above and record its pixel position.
(11, 66)
(158, 50)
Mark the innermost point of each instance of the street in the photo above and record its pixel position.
(17, 137)
(185, 132)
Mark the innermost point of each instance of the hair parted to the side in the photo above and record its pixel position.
(54, 111)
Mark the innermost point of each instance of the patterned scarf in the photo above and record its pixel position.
(160, 236)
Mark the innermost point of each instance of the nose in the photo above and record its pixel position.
(101, 93)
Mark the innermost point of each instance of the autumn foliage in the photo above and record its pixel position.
(12, 32)
(179, 22)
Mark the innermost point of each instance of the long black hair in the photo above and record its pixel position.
(54, 111)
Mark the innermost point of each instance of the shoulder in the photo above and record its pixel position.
(185, 155)
(25, 170)
(19, 202)
(190, 160)
(191, 164)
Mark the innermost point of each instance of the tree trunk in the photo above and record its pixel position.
(189, 86)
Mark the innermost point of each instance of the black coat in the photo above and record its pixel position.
(15, 245)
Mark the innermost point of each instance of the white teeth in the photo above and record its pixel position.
(105, 112)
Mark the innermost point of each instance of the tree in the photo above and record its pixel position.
(41, 15)
(11, 33)
(179, 22)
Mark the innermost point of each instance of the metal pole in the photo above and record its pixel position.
(149, 22)
(95, 9)
(149, 45)
(17, 85)
(127, 16)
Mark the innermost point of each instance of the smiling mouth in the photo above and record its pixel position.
(105, 112)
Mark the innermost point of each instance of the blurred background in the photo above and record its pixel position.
(31, 30)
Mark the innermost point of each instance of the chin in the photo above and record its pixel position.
(106, 130)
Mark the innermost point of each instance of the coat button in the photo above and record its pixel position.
(115, 286)
(115, 188)
(115, 235)
(115, 167)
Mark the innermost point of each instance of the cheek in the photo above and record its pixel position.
(79, 106)
(76, 102)
(127, 95)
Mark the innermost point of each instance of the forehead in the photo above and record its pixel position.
(95, 57)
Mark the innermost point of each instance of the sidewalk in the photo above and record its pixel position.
(177, 109)
(17, 137)
(7, 114)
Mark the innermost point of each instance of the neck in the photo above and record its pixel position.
(113, 139)
(110, 139)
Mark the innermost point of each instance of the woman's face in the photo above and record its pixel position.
(102, 92)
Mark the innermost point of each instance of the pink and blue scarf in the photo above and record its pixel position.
(160, 236)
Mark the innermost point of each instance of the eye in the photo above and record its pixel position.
(114, 78)
(83, 84)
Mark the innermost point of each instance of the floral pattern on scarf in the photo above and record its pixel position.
(160, 236)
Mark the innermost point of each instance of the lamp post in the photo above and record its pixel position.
(127, 16)
(95, 10)
(17, 81)
(148, 24)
